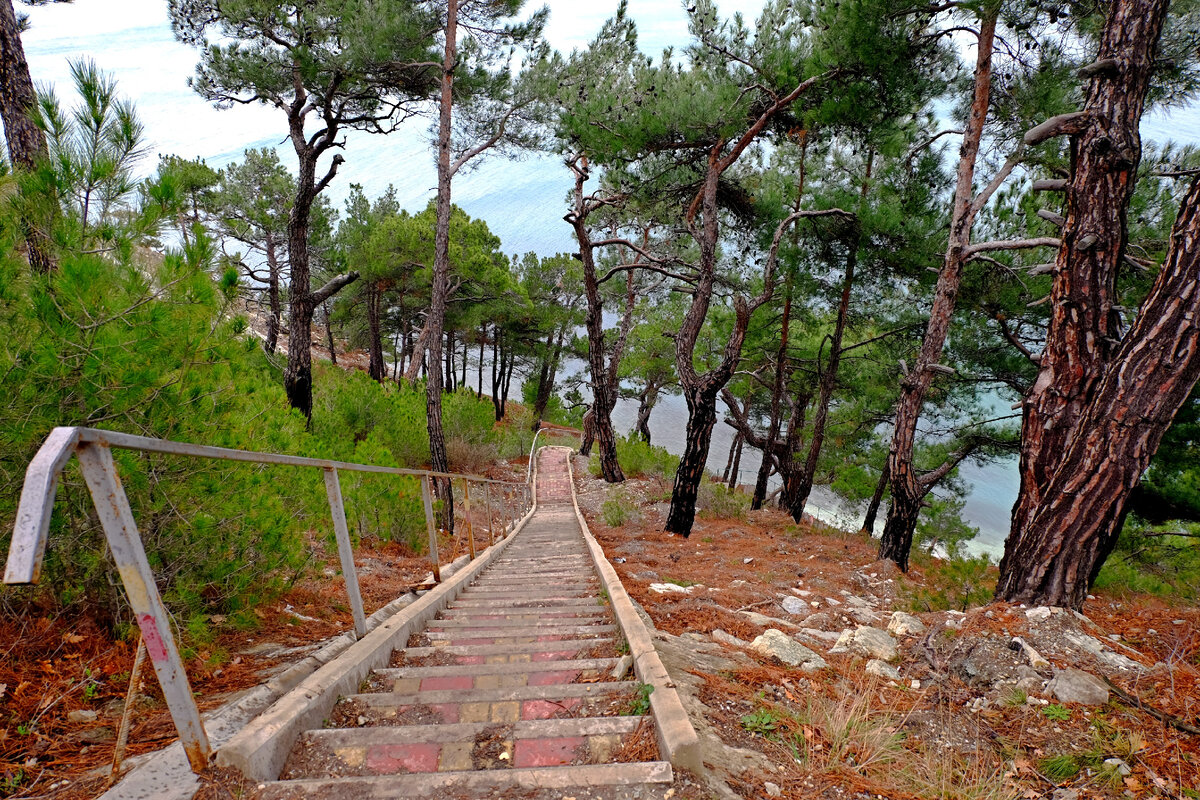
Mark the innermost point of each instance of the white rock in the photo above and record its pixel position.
(622, 667)
(778, 644)
(747, 560)
(1038, 614)
(882, 669)
(1036, 659)
(1077, 686)
(1101, 651)
(667, 588)
(916, 684)
(794, 605)
(832, 601)
(772, 790)
(1120, 766)
(721, 636)
(905, 625)
(868, 642)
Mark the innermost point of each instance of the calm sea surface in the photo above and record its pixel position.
(522, 201)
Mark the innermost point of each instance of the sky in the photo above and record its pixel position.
(132, 40)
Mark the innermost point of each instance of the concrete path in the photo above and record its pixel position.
(517, 689)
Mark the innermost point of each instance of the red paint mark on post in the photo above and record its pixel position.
(156, 648)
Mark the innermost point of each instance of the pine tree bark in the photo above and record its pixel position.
(26, 142)
(732, 480)
(876, 500)
(589, 433)
(1056, 556)
(1058, 543)
(329, 336)
(545, 386)
(828, 384)
(436, 319)
(479, 366)
(603, 396)
(909, 488)
(646, 401)
(373, 297)
(275, 321)
(1084, 329)
(777, 386)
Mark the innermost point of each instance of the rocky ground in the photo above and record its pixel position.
(814, 671)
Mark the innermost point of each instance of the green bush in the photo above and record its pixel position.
(1149, 560)
(618, 508)
(150, 348)
(641, 460)
(955, 584)
(718, 500)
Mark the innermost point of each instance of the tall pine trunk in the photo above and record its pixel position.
(26, 143)
(1084, 328)
(374, 298)
(329, 335)
(436, 319)
(909, 488)
(1100, 404)
(1055, 558)
(275, 320)
(603, 396)
(646, 400)
(702, 415)
(876, 500)
(297, 375)
(828, 384)
(777, 386)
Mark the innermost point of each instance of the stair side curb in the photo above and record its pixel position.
(261, 748)
(677, 739)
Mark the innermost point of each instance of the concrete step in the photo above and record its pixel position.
(503, 705)
(512, 628)
(507, 668)
(524, 578)
(530, 594)
(466, 638)
(577, 614)
(459, 747)
(533, 651)
(648, 780)
(517, 693)
(525, 602)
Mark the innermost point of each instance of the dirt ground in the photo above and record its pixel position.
(968, 716)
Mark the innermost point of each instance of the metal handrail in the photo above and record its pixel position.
(533, 446)
(93, 448)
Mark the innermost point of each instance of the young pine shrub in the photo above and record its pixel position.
(719, 501)
(618, 508)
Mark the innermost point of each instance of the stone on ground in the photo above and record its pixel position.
(867, 642)
(905, 625)
(1077, 686)
(778, 644)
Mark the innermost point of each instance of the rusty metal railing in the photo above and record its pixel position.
(93, 449)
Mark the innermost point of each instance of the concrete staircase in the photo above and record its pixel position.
(519, 688)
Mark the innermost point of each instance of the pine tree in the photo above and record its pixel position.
(341, 63)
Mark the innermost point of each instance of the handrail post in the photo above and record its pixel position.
(120, 529)
(337, 510)
(427, 498)
(487, 502)
(467, 512)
